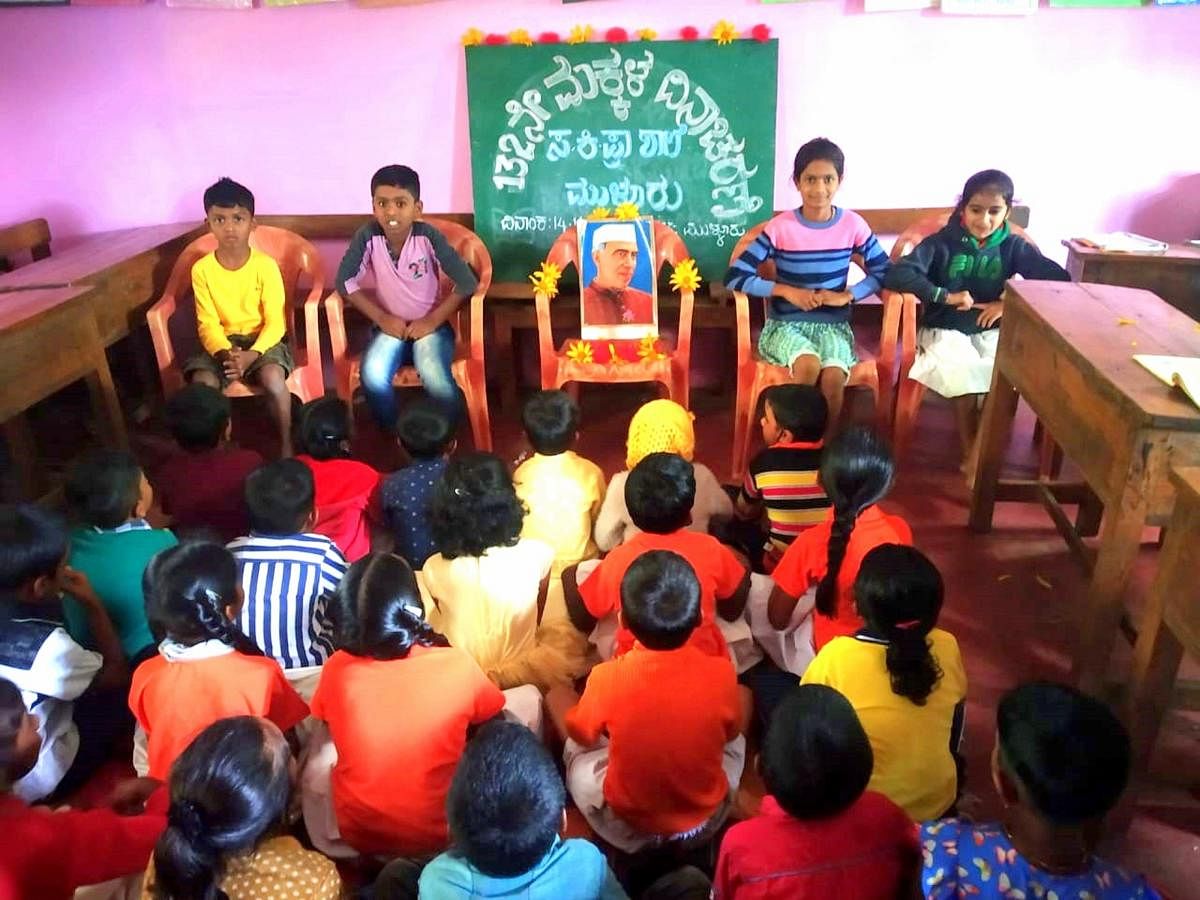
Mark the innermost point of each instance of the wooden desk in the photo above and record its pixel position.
(1171, 624)
(48, 339)
(1063, 350)
(1174, 276)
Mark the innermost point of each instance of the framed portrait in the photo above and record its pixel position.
(618, 293)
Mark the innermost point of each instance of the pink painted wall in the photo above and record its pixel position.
(112, 117)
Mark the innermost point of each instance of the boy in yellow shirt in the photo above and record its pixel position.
(240, 308)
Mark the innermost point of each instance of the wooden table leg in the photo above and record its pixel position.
(502, 325)
(994, 432)
(105, 403)
(22, 452)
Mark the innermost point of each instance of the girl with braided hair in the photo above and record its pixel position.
(856, 472)
(226, 825)
(206, 668)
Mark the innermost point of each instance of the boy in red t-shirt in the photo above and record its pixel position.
(654, 747)
(659, 493)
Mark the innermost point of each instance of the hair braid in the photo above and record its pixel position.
(217, 625)
(835, 553)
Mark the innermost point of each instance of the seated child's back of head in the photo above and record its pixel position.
(377, 611)
(660, 426)
(551, 422)
(33, 545)
(799, 409)
(424, 429)
(279, 497)
(106, 488)
(323, 429)
(198, 417)
(659, 493)
(660, 600)
(476, 507)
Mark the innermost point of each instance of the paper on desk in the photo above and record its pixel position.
(1123, 242)
(1178, 371)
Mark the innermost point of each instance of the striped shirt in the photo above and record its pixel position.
(784, 478)
(812, 255)
(286, 581)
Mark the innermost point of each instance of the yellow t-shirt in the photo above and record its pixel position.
(913, 763)
(563, 494)
(278, 868)
(249, 300)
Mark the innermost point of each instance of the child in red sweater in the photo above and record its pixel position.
(49, 854)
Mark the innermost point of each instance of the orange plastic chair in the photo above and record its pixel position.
(910, 393)
(755, 375)
(467, 368)
(672, 371)
(295, 257)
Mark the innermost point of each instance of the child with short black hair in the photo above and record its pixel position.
(561, 490)
(241, 308)
(48, 854)
(201, 488)
(411, 322)
(347, 491)
(783, 477)
(1060, 764)
(819, 833)
(285, 571)
(207, 669)
(109, 497)
(904, 677)
(506, 807)
(76, 694)
(659, 494)
(654, 747)
(427, 435)
(856, 473)
(229, 795)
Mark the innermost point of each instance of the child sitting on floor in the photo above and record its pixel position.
(76, 695)
(241, 308)
(654, 747)
(109, 498)
(562, 490)
(506, 807)
(783, 476)
(660, 426)
(1060, 764)
(488, 584)
(659, 493)
(48, 854)
(206, 668)
(285, 572)
(201, 488)
(820, 832)
(427, 435)
(856, 472)
(229, 795)
(407, 258)
(398, 702)
(808, 319)
(904, 677)
(958, 275)
(347, 491)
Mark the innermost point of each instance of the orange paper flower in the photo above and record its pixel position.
(614, 358)
(580, 34)
(472, 37)
(580, 352)
(626, 211)
(600, 212)
(545, 279)
(724, 32)
(521, 37)
(648, 349)
(685, 276)
(646, 34)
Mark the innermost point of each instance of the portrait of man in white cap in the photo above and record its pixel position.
(609, 298)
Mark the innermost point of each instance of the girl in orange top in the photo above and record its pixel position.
(206, 668)
(856, 472)
(398, 701)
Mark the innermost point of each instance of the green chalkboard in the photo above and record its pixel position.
(684, 129)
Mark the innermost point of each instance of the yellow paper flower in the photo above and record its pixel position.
(626, 211)
(724, 32)
(545, 279)
(646, 34)
(685, 276)
(580, 352)
(520, 36)
(580, 34)
(600, 212)
(614, 358)
(472, 37)
(648, 349)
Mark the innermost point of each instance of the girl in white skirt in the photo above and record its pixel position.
(959, 274)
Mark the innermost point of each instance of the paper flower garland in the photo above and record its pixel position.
(626, 211)
(761, 33)
(580, 34)
(685, 276)
(472, 37)
(549, 37)
(520, 37)
(648, 349)
(600, 212)
(689, 32)
(614, 358)
(580, 352)
(646, 34)
(545, 279)
(616, 35)
(496, 40)
(724, 32)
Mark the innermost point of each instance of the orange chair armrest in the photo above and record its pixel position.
(476, 349)
(741, 307)
(334, 315)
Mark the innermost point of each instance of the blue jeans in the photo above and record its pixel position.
(431, 355)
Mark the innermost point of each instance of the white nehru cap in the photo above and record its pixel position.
(614, 231)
